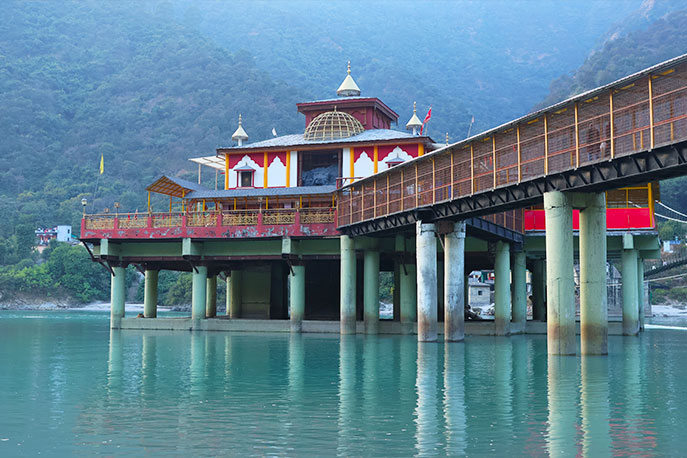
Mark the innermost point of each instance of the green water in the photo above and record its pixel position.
(70, 387)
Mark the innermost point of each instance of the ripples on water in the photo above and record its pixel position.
(70, 386)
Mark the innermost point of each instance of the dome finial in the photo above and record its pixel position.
(240, 135)
(414, 122)
(446, 138)
(348, 88)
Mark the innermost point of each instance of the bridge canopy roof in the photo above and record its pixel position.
(175, 187)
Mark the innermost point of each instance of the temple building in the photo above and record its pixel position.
(269, 228)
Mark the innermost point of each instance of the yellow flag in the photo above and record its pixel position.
(102, 164)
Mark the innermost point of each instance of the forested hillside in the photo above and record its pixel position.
(663, 39)
(150, 84)
(78, 80)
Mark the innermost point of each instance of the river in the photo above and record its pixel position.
(70, 386)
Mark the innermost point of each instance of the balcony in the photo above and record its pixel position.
(246, 224)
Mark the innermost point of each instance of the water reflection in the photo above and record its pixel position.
(426, 430)
(454, 398)
(148, 364)
(562, 395)
(198, 364)
(115, 362)
(596, 439)
(347, 421)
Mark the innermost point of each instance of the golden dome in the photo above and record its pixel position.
(332, 125)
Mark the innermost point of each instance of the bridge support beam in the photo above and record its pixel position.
(593, 306)
(199, 293)
(426, 282)
(371, 291)
(629, 287)
(211, 297)
(117, 296)
(519, 289)
(502, 297)
(539, 290)
(297, 297)
(454, 284)
(348, 281)
(408, 298)
(640, 292)
(560, 285)
(234, 294)
(150, 294)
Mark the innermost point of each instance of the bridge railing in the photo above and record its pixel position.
(640, 112)
(211, 223)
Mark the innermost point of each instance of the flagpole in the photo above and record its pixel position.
(97, 181)
(470, 128)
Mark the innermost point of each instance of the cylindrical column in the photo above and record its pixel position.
(640, 291)
(454, 284)
(117, 296)
(426, 261)
(593, 306)
(560, 284)
(235, 294)
(297, 297)
(630, 289)
(211, 297)
(519, 289)
(227, 296)
(539, 290)
(408, 298)
(502, 289)
(348, 280)
(199, 292)
(371, 291)
(150, 294)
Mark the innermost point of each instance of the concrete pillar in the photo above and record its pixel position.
(593, 301)
(640, 292)
(502, 299)
(426, 282)
(371, 291)
(117, 296)
(560, 285)
(297, 297)
(150, 294)
(227, 296)
(630, 290)
(408, 298)
(198, 295)
(539, 290)
(519, 289)
(454, 284)
(235, 294)
(211, 297)
(348, 281)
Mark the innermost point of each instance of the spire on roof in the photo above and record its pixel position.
(414, 122)
(240, 135)
(348, 88)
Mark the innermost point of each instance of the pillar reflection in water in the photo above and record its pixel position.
(370, 378)
(520, 351)
(454, 398)
(115, 362)
(503, 394)
(295, 389)
(563, 393)
(634, 429)
(426, 424)
(596, 440)
(148, 364)
(348, 421)
(198, 364)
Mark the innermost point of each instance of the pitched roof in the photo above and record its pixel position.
(262, 192)
(298, 140)
(172, 186)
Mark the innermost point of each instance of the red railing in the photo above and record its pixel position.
(212, 224)
(640, 112)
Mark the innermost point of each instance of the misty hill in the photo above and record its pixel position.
(81, 79)
(493, 60)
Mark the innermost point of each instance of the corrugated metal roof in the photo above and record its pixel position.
(172, 186)
(298, 140)
(262, 192)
